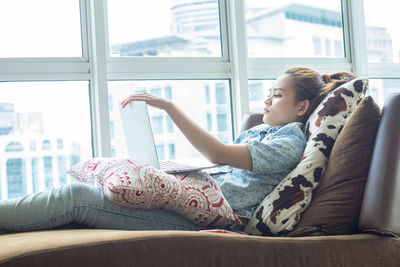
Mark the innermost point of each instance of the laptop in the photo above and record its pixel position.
(140, 140)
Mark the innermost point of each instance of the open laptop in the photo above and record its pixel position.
(140, 140)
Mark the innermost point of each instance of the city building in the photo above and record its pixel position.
(31, 160)
(34, 160)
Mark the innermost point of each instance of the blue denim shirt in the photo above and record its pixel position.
(275, 151)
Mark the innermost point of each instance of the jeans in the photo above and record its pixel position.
(84, 204)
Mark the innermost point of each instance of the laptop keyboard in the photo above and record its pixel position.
(166, 165)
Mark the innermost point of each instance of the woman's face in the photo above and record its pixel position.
(280, 106)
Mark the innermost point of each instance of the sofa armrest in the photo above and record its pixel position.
(250, 120)
(380, 209)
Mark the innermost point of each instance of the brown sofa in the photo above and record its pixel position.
(380, 246)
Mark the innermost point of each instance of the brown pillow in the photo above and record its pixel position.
(336, 203)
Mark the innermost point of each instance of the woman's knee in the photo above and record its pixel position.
(81, 192)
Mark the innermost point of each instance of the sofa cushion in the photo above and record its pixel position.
(280, 211)
(380, 209)
(131, 183)
(97, 247)
(335, 206)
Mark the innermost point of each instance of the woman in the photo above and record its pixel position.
(261, 157)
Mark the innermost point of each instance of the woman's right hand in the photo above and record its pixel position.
(151, 100)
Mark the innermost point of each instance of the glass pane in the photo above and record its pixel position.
(44, 129)
(258, 92)
(178, 28)
(382, 30)
(381, 88)
(40, 28)
(294, 28)
(191, 97)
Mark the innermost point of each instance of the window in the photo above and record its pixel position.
(14, 147)
(381, 88)
(338, 48)
(60, 144)
(220, 93)
(33, 145)
(52, 118)
(29, 34)
(382, 31)
(171, 151)
(291, 28)
(160, 151)
(207, 92)
(7, 118)
(168, 92)
(61, 162)
(256, 91)
(74, 159)
(328, 47)
(156, 91)
(157, 124)
(317, 45)
(170, 124)
(173, 28)
(46, 145)
(209, 121)
(16, 177)
(35, 175)
(64, 80)
(195, 108)
(48, 172)
(222, 123)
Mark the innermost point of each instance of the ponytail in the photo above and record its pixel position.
(313, 86)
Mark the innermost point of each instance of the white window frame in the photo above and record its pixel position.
(97, 67)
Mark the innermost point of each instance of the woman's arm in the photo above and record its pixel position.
(235, 155)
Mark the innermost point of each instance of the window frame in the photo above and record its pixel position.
(98, 67)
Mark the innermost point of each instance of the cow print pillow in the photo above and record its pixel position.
(279, 212)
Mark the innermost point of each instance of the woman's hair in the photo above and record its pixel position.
(311, 85)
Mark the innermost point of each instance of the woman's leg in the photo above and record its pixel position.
(87, 205)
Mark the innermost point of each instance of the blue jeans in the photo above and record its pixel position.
(83, 204)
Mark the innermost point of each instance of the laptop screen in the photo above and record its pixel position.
(138, 133)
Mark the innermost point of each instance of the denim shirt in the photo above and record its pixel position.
(275, 151)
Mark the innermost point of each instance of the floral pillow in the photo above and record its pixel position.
(280, 211)
(134, 184)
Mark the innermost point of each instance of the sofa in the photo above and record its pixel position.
(375, 243)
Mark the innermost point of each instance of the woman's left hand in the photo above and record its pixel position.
(151, 100)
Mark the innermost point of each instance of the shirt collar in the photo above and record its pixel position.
(273, 129)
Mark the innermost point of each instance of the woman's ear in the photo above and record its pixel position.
(302, 107)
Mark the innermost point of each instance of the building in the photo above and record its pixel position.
(298, 31)
(31, 161)
(209, 102)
